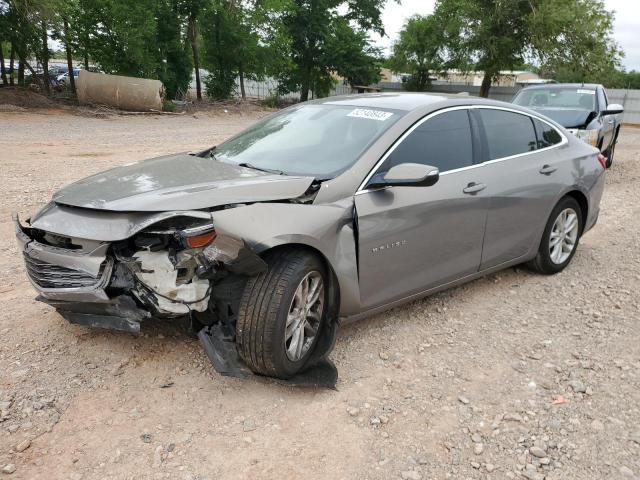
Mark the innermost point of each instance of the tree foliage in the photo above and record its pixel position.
(495, 35)
(419, 51)
(315, 29)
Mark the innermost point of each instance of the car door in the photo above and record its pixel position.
(411, 239)
(522, 172)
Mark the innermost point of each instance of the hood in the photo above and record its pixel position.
(567, 117)
(178, 182)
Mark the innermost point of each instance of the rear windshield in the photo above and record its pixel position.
(574, 98)
(317, 140)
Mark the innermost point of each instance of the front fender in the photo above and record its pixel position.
(325, 228)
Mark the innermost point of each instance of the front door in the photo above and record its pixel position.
(412, 239)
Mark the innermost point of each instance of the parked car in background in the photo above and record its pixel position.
(583, 109)
(63, 79)
(336, 208)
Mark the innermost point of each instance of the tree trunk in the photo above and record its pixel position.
(486, 85)
(86, 59)
(3, 72)
(67, 48)
(11, 60)
(21, 72)
(45, 57)
(305, 85)
(193, 39)
(241, 75)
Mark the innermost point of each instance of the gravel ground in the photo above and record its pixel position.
(512, 376)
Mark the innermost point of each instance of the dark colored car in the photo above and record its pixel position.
(583, 109)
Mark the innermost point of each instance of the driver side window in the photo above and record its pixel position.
(443, 141)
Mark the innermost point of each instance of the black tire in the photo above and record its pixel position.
(612, 150)
(264, 308)
(543, 263)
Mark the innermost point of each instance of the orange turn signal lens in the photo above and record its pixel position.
(199, 241)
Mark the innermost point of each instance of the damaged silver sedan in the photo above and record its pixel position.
(328, 210)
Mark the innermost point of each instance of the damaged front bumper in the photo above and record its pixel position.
(99, 284)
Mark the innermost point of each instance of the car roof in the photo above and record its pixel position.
(586, 86)
(405, 101)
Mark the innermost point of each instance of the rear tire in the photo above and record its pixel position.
(281, 314)
(560, 238)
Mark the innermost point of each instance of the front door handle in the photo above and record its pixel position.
(548, 169)
(611, 121)
(474, 188)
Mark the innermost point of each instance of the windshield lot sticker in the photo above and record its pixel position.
(370, 114)
(590, 92)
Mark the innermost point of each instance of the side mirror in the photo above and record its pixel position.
(406, 175)
(613, 109)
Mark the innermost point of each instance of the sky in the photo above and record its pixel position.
(626, 26)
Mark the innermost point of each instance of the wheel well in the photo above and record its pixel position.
(334, 286)
(584, 204)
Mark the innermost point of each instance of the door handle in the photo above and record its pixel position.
(474, 188)
(547, 170)
(611, 121)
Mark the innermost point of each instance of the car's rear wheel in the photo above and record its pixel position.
(281, 313)
(560, 238)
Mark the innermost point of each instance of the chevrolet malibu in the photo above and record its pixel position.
(326, 211)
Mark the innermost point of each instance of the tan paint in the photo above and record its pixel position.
(126, 93)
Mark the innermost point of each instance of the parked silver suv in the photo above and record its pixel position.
(583, 109)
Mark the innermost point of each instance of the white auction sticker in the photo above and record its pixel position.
(370, 114)
(590, 92)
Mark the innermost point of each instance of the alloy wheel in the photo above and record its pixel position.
(304, 317)
(564, 236)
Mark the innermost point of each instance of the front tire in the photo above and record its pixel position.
(560, 238)
(282, 311)
(612, 150)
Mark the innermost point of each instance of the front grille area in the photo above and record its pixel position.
(47, 275)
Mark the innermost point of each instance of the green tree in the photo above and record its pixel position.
(174, 65)
(193, 9)
(575, 36)
(311, 26)
(233, 47)
(352, 56)
(495, 35)
(419, 51)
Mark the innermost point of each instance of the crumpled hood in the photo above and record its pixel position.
(178, 182)
(567, 117)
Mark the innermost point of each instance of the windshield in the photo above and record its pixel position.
(314, 140)
(574, 98)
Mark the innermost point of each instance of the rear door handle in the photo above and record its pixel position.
(611, 121)
(548, 169)
(474, 188)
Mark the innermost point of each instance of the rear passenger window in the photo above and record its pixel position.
(507, 133)
(443, 141)
(547, 135)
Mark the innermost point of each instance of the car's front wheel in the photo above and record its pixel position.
(611, 151)
(281, 313)
(560, 238)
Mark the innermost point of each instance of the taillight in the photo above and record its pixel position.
(603, 160)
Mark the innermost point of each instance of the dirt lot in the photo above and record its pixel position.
(512, 376)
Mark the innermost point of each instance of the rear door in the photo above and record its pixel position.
(521, 171)
(411, 239)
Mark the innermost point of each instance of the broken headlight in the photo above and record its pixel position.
(589, 136)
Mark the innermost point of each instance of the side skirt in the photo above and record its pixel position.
(382, 308)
